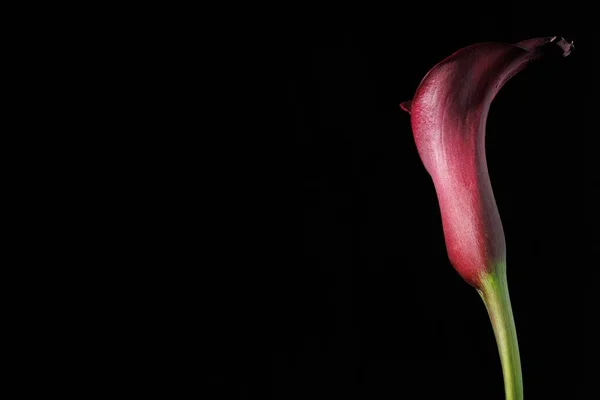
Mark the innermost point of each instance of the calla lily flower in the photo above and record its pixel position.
(448, 118)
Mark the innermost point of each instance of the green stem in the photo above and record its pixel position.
(494, 292)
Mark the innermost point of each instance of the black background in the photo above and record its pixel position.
(349, 294)
(235, 195)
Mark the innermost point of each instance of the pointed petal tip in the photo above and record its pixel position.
(563, 44)
(406, 106)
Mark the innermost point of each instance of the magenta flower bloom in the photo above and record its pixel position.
(448, 118)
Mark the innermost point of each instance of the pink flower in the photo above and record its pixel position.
(448, 117)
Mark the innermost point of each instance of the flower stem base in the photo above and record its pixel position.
(494, 292)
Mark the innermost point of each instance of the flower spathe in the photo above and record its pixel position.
(448, 118)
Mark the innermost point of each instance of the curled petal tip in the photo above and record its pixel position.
(563, 44)
(555, 42)
(406, 106)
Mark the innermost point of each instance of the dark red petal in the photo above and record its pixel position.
(448, 116)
